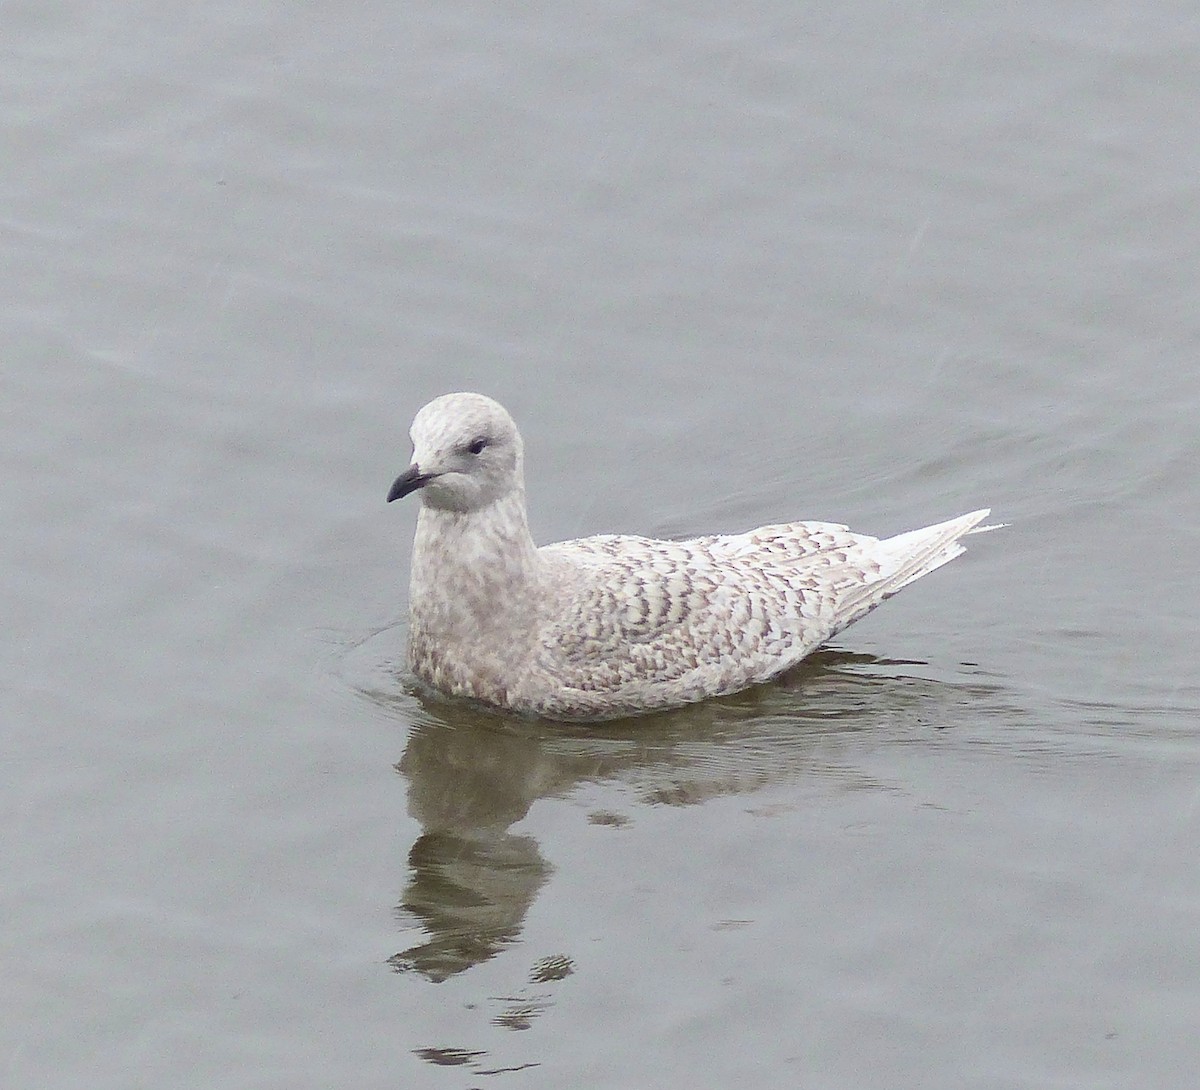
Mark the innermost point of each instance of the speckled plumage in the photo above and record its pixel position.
(613, 625)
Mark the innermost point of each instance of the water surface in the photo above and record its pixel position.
(880, 266)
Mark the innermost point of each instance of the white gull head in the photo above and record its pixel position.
(467, 454)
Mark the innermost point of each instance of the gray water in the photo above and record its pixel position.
(726, 266)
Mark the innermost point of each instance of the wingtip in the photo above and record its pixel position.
(983, 513)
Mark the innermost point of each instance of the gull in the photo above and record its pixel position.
(617, 625)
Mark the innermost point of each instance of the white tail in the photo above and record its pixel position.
(906, 557)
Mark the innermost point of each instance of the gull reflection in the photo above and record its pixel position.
(472, 775)
(471, 880)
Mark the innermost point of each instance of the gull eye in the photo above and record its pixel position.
(476, 446)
